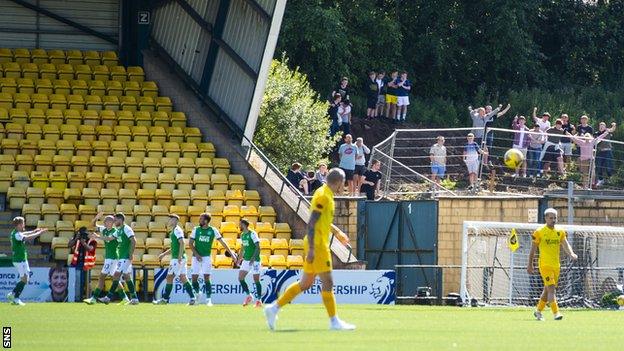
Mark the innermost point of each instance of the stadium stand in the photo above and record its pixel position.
(82, 134)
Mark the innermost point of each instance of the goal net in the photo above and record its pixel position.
(493, 274)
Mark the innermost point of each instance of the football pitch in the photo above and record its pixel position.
(47, 326)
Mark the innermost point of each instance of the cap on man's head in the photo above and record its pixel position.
(551, 211)
(545, 114)
(173, 215)
(109, 218)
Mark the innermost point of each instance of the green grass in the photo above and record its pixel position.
(47, 326)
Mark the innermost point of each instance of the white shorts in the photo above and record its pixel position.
(254, 269)
(177, 267)
(22, 268)
(124, 266)
(205, 266)
(402, 100)
(566, 148)
(110, 266)
(523, 150)
(473, 166)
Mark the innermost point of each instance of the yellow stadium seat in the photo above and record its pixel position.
(142, 213)
(118, 73)
(93, 102)
(169, 165)
(47, 71)
(201, 182)
(131, 89)
(80, 164)
(5, 181)
(9, 85)
(95, 180)
(61, 87)
(10, 147)
(86, 132)
(178, 119)
(83, 72)
(40, 179)
(137, 149)
(181, 211)
(109, 197)
(125, 118)
(216, 215)
(223, 261)
(149, 89)
(99, 164)
(74, 57)
(35, 196)
(72, 117)
(186, 166)
(221, 166)
(114, 88)
(7, 161)
(278, 262)
(217, 198)
(189, 150)
(96, 88)
(14, 131)
(17, 198)
(106, 209)
(43, 87)
(6, 101)
(194, 212)
(175, 134)
(100, 72)
(128, 103)
(184, 182)
(75, 102)
(18, 115)
(49, 234)
(65, 71)
(21, 55)
(160, 119)
(163, 104)
(134, 165)
(83, 147)
(158, 134)
(163, 197)
(79, 87)
(86, 212)
(192, 135)
(62, 163)
(118, 148)
(229, 230)
(146, 197)
(154, 149)
(265, 247)
(54, 118)
(296, 246)
(171, 150)
(26, 85)
(51, 132)
(69, 212)
(126, 209)
(283, 231)
(112, 181)
(166, 181)
(28, 147)
(104, 133)
(39, 56)
(160, 213)
(127, 197)
(91, 58)
(131, 181)
(54, 196)
(58, 101)
(58, 180)
(136, 74)
(234, 197)
(219, 182)
(60, 242)
(153, 243)
(140, 133)
(294, 262)
(116, 165)
(265, 230)
(76, 180)
(110, 102)
(157, 230)
(6, 55)
(40, 102)
(279, 247)
(181, 197)
(267, 214)
(46, 148)
(250, 213)
(237, 182)
(69, 132)
(72, 196)
(122, 133)
(143, 118)
(149, 181)
(11, 69)
(91, 196)
(20, 179)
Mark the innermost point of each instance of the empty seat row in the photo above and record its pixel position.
(92, 117)
(86, 102)
(78, 87)
(91, 57)
(71, 71)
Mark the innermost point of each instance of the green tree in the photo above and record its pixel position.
(293, 124)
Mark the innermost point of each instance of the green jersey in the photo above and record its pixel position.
(204, 238)
(18, 246)
(110, 247)
(176, 234)
(249, 239)
(124, 233)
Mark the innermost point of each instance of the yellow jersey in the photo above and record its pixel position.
(323, 202)
(549, 243)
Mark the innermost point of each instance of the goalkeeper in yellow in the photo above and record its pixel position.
(549, 239)
(318, 261)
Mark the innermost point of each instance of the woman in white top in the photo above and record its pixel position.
(344, 115)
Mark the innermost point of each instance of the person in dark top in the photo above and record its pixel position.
(584, 128)
(297, 179)
(372, 180)
(604, 153)
(372, 95)
(404, 86)
(381, 98)
(343, 89)
(391, 97)
(552, 148)
(332, 112)
(566, 143)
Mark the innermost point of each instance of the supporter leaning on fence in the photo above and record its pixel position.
(566, 143)
(604, 154)
(437, 154)
(552, 149)
(521, 141)
(586, 145)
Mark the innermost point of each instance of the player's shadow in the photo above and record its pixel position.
(298, 330)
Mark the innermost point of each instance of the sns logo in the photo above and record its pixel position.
(383, 288)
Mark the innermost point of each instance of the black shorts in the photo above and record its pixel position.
(371, 102)
(348, 174)
(552, 154)
(360, 169)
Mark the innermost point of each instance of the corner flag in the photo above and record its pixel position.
(513, 241)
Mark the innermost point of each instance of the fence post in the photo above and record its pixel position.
(570, 202)
(389, 171)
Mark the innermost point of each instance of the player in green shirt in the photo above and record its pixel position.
(177, 265)
(20, 257)
(201, 241)
(125, 249)
(108, 234)
(250, 256)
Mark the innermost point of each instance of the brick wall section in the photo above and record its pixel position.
(213, 130)
(451, 216)
(592, 212)
(345, 218)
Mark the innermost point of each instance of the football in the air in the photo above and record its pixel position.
(620, 300)
(513, 158)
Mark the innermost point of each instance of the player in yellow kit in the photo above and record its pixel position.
(549, 239)
(317, 254)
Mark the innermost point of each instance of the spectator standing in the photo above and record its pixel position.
(332, 112)
(372, 181)
(543, 121)
(437, 155)
(521, 141)
(471, 159)
(343, 89)
(586, 145)
(534, 150)
(489, 123)
(552, 149)
(402, 91)
(479, 119)
(604, 153)
(360, 163)
(297, 179)
(584, 128)
(381, 98)
(566, 142)
(391, 95)
(348, 153)
(344, 111)
(372, 95)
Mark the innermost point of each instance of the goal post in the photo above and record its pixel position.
(494, 274)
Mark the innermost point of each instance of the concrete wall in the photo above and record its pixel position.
(452, 214)
(591, 212)
(345, 218)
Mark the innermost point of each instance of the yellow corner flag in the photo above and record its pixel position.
(513, 241)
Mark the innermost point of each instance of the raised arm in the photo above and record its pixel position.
(534, 113)
(34, 233)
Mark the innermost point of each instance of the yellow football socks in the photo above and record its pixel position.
(541, 305)
(291, 292)
(329, 300)
(554, 307)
